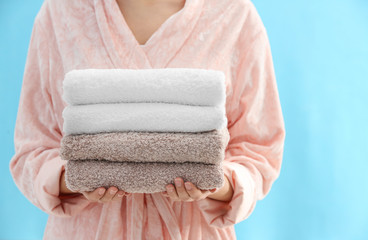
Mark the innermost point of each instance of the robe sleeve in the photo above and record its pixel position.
(254, 154)
(36, 165)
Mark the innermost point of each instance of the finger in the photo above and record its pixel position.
(119, 195)
(109, 194)
(210, 191)
(164, 193)
(213, 190)
(180, 189)
(95, 195)
(206, 193)
(172, 192)
(193, 191)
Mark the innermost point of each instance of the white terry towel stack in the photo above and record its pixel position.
(143, 100)
(162, 100)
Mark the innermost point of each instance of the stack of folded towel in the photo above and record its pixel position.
(138, 129)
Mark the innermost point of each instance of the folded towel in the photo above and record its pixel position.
(88, 175)
(171, 85)
(204, 147)
(151, 117)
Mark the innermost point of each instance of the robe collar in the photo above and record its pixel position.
(123, 48)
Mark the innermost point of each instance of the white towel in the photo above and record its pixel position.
(151, 117)
(189, 86)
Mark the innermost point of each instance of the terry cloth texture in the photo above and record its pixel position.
(191, 86)
(139, 129)
(88, 175)
(151, 117)
(203, 147)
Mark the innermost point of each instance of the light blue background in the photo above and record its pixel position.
(320, 51)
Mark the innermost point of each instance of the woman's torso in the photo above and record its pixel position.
(92, 34)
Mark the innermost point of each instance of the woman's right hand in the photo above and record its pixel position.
(102, 196)
(98, 195)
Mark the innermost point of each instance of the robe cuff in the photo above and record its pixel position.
(47, 189)
(221, 214)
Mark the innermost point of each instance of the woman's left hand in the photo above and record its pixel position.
(187, 191)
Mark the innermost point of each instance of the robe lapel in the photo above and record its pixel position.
(126, 52)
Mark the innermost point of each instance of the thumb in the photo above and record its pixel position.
(213, 190)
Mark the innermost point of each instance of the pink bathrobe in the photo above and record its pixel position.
(211, 34)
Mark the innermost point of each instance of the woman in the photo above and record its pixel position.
(217, 34)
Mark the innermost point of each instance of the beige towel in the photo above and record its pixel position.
(87, 175)
(204, 147)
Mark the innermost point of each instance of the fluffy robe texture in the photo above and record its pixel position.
(88, 175)
(190, 86)
(151, 117)
(203, 147)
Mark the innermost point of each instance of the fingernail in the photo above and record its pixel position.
(120, 195)
(170, 189)
(188, 186)
(113, 191)
(101, 191)
(178, 182)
